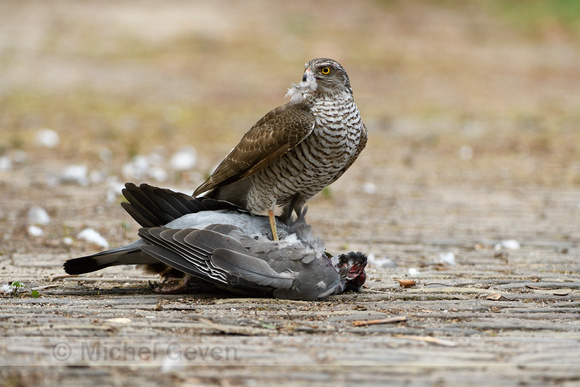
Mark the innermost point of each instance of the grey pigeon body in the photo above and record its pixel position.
(297, 149)
(219, 243)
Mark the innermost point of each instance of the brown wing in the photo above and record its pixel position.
(271, 137)
(361, 145)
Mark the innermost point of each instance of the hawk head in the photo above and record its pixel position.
(322, 77)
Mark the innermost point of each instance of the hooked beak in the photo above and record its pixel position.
(309, 80)
(308, 84)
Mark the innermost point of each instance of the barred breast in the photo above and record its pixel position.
(315, 162)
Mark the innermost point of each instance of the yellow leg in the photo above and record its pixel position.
(272, 219)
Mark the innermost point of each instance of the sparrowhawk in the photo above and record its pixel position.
(295, 150)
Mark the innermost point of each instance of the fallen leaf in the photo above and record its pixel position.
(494, 297)
(407, 283)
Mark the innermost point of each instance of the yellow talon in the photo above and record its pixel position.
(273, 225)
(272, 219)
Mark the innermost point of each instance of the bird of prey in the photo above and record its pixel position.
(295, 150)
(219, 243)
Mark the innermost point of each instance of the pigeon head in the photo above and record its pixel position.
(351, 266)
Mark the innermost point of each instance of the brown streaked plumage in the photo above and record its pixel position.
(297, 149)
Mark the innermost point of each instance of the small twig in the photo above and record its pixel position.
(561, 294)
(57, 277)
(540, 288)
(379, 321)
(44, 287)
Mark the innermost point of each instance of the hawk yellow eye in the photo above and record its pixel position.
(325, 70)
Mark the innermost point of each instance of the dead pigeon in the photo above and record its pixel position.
(214, 241)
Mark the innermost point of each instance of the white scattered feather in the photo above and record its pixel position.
(35, 231)
(75, 174)
(92, 236)
(380, 263)
(184, 159)
(510, 244)
(155, 157)
(96, 177)
(136, 168)
(38, 215)
(111, 196)
(5, 163)
(414, 272)
(47, 138)
(446, 258)
(291, 239)
(68, 241)
(114, 190)
(369, 188)
(158, 174)
(7, 289)
(296, 92)
(173, 361)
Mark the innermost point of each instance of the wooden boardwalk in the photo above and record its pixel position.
(471, 178)
(498, 316)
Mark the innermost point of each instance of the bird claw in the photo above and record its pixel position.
(272, 218)
(171, 285)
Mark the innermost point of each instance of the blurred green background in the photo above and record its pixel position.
(455, 87)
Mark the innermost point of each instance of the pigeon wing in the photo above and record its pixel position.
(250, 268)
